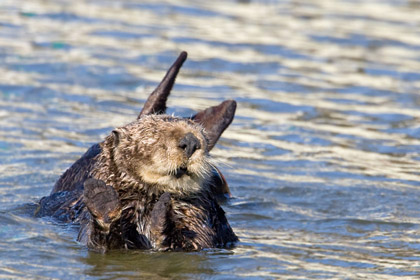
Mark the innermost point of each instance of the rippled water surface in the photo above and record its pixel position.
(323, 155)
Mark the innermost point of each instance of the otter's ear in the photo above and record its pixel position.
(116, 135)
(216, 119)
(156, 103)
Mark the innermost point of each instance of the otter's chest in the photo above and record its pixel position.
(135, 221)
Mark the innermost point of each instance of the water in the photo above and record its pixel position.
(322, 157)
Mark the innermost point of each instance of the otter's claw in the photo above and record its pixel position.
(102, 203)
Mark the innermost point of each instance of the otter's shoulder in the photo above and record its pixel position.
(77, 173)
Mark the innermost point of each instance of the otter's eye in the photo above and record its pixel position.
(189, 144)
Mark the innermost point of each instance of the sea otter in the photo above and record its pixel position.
(150, 184)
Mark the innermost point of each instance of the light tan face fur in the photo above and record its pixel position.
(149, 149)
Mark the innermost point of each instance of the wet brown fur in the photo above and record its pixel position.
(192, 219)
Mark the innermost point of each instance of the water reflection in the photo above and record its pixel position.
(149, 264)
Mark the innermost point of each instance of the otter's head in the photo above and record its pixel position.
(167, 153)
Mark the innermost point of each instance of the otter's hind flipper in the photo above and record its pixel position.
(216, 119)
(156, 103)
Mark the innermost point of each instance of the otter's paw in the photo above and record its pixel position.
(160, 218)
(160, 212)
(102, 202)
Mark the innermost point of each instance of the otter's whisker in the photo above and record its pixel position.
(216, 161)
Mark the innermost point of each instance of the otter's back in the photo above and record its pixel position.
(74, 177)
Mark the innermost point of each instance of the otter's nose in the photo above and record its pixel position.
(189, 144)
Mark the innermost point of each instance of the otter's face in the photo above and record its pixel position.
(166, 152)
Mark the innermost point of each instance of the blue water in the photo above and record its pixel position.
(322, 157)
